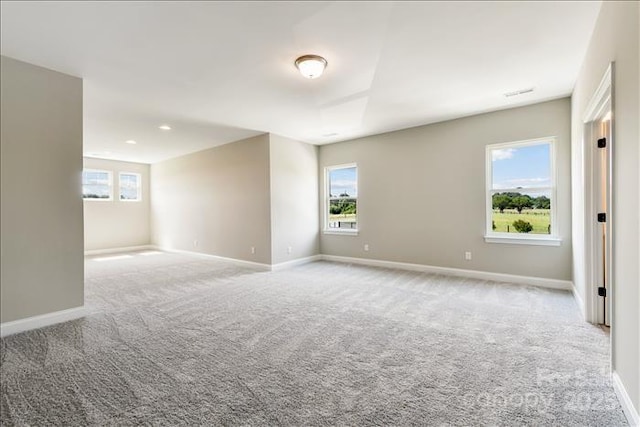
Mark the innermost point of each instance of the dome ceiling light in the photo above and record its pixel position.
(311, 66)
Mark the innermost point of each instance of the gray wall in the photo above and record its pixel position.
(615, 38)
(294, 199)
(117, 224)
(422, 193)
(217, 197)
(41, 257)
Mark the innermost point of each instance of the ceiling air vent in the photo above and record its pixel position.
(518, 92)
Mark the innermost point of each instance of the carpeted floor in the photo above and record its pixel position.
(185, 340)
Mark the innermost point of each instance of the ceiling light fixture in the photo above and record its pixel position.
(130, 141)
(311, 66)
(164, 127)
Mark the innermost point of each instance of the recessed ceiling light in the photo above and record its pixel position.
(130, 141)
(327, 135)
(164, 127)
(311, 66)
(518, 92)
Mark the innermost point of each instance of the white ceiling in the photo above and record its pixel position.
(222, 71)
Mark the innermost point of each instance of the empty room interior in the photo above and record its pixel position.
(320, 213)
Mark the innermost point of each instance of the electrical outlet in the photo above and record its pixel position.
(253, 249)
(366, 247)
(288, 249)
(195, 243)
(467, 256)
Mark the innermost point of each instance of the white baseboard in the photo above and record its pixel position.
(474, 274)
(35, 322)
(117, 250)
(265, 267)
(294, 262)
(579, 301)
(261, 266)
(625, 401)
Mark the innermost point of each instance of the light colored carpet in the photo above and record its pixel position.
(184, 340)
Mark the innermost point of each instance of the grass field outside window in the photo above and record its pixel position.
(540, 219)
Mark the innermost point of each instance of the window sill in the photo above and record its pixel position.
(537, 241)
(341, 232)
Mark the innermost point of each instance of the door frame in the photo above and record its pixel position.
(602, 99)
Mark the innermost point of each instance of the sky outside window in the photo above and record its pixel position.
(521, 167)
(343, 181)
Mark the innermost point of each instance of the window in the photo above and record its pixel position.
(341, 199)
(521, 193)
(97, 185)
(130, 187)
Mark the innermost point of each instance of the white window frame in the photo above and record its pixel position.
(139, 187)
(491, 236)
(327, 199)
(110, 174)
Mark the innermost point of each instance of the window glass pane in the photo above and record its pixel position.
(343, 193)
(342, 182)
(521, 212)
(342, 213)
(95, 185)
(129, 187)
(521, 167)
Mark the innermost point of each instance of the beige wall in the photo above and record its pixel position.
(215, 201)
(422, 193)
(41, 252)
(615, 38)
(294, 199)
(117, 224)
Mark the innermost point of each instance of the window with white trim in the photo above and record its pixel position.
(97, 185)
(130, 187)
(521, 192)
(341, 201)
